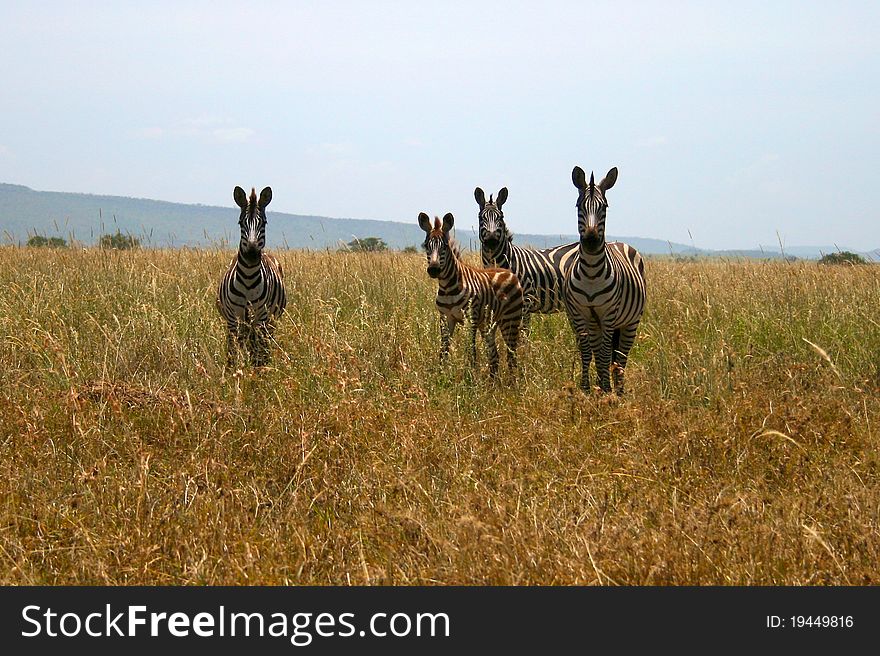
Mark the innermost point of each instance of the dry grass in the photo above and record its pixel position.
(743, 454)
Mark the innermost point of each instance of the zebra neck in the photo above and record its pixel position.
(449, 279)
(594, 265)
(500, 258)
(246, 269)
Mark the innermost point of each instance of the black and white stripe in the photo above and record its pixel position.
(604, 289)
(541, 272)
(488, 299)
(251, 295)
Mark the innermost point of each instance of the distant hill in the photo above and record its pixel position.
(85, 217)
(24, 211)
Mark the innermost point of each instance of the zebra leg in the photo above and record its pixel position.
(622, 343)
(447, 328)
(260, 346)
(488, 333)
(510, 333)
(526, 324)
(582, 335)
(600, 340)
(231, 345)
(586, 352)
(238, 340)
(472, 342)
(616, 372)
(250, 338)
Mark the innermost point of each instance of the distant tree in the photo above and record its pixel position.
(119, 242)
(367, 245)
(411, 249)
(842, 257)
(39, 241)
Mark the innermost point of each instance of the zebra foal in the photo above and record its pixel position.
(604, 288)
(251, 295)
(488, 298)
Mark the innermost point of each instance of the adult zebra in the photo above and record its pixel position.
(488, 298)
(251, 295)
(604, 289)
(541, 272)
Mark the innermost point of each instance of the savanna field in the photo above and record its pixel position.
(741, 454)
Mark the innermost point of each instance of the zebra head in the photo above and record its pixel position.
(591, 206)
(252, 221)
(493, 231)
(437, 244)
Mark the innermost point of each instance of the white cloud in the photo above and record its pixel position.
(330, 148)
(148, 133)
(205, 121)
(232, 135)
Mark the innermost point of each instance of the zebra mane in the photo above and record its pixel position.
(455, 246)
(252, 202)
(593, 192)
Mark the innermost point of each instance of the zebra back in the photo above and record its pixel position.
(495, 294)
(540, 271)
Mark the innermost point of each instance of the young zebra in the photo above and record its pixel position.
(541, 272)
(604, 290)
(488, 298)
(251, 295)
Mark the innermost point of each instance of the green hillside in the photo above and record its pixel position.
(85, 217)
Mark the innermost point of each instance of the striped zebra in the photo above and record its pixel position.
(251, 295)
(488, 298)
(541, 272)
(604, 289)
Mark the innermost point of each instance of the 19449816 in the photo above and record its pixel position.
(810, 621)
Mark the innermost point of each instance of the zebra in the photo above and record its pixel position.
(604, 289)
(541, 272)
(488, 298)
(251, 295)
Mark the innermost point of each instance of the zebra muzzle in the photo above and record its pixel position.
(590, 238)
(251, 248)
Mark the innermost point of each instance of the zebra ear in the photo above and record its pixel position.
(579, 178)
(240, 198)
(265, 197)
(480, 196)
(424, 222)
(448, 221)
(609, 180)
(502, 197)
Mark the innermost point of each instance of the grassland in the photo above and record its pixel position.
(742, 454)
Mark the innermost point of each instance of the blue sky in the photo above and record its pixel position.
(729, 122)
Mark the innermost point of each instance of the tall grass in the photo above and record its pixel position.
(746, 450)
